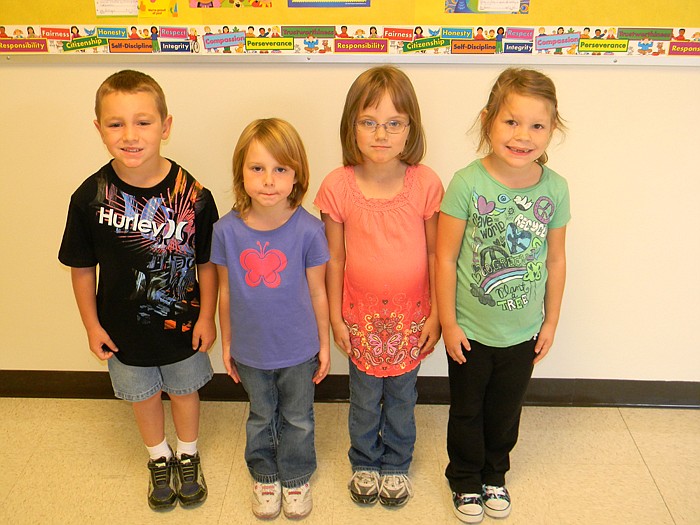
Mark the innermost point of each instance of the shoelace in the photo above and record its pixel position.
(393, 481)
(495, 492)
(160, 473)
(466, 499)
(189, 468)
(365, 479)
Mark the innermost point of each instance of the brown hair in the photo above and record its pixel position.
(284, 143)
(524, 82)
(368, 90)
(129, 81)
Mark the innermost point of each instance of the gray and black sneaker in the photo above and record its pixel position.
(161, 495)
(364, 486)
(395, 490)
(189, 480)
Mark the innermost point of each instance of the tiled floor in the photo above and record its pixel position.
(81, 461)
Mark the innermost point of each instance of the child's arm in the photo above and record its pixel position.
(554, 291)
(335, 233)
(204, 332)
(449, 239)
(225, 323)
(84, 284)
(316, 277)
(431, 330)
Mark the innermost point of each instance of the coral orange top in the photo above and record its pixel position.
(386, 292)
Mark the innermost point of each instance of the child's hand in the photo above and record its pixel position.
(430, 335)
(455, 340)
(101, 344)
(230, 365)
(324, 365)
(341, 336)
(203, 335)
(544, 342)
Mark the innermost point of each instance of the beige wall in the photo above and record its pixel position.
(631, 157)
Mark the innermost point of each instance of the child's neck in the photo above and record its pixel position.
(514, 178)
(380, 181)
(267, 219)
(146, 176)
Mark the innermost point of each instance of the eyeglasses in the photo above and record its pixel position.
(392, 126)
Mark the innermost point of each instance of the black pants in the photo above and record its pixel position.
(486, 398)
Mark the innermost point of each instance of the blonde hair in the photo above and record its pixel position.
(367, 90)
(524, 82)
(283, 142)
(129, 81)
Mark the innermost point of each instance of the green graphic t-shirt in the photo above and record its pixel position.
(501, 269)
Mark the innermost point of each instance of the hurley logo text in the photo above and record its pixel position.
(135, 223)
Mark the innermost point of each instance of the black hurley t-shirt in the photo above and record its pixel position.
(147, 243)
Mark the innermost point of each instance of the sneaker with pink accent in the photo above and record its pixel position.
(297, 501)
(267, 500)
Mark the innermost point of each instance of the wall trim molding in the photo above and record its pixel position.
(431, 389)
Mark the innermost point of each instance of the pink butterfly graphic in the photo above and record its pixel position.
(379, 347)
(263, 266)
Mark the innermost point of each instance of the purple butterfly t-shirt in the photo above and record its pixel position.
(272, 319)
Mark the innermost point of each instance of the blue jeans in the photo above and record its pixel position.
(382, 422)
(280, 426)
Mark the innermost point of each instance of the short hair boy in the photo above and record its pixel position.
(147, 223)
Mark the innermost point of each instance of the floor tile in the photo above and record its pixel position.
(82, 461)
(588, 494)
(679, 486)
(665, 436)
(575, 436)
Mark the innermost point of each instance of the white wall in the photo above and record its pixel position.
(631, 157)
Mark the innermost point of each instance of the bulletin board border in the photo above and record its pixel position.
(488, 60)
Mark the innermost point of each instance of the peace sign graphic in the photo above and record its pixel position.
(544, 209)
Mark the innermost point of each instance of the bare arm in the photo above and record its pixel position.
(316, 277)
(225, 323)
(556, 279)
(84, 282)
(449, 240)
(204, 333)
(431, 329)
(335, 271)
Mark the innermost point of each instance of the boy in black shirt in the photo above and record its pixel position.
(147, 223)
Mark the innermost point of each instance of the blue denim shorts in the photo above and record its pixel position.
(138, 383)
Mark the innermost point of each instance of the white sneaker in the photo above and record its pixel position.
(297, 502)
(468, 507)
(267, 500)
(496, 501)
(364, 486)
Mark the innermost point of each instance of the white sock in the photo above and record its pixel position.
(186, 447)
(161, 450)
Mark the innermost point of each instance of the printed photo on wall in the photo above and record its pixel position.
(329, 3)
(488, 6)
(203, 5)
